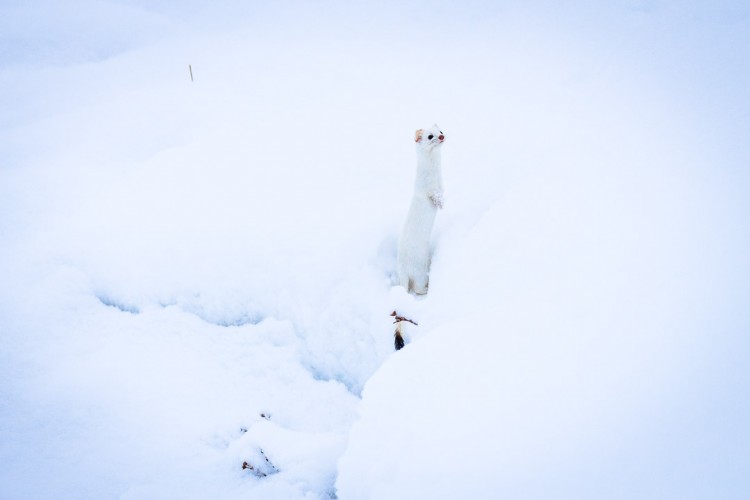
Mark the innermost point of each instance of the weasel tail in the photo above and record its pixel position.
(413, 263)
(414, 245)
(398, 338)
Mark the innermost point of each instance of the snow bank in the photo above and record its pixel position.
(565, 354)
(583, 331)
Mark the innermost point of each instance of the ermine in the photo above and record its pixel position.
(413, 267)
(414, 245)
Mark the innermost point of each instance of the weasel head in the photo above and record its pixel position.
(429, 140)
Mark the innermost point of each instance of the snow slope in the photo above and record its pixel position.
(197, 274)
(588, 345)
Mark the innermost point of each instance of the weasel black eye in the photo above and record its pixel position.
(429, 137)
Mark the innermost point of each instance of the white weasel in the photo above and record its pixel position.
(414, 246)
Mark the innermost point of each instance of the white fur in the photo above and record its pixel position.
(414, 246)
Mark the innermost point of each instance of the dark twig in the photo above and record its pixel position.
(399, 319)
(261, 470)
(258, 473)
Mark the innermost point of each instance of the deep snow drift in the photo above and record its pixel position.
(198, 274)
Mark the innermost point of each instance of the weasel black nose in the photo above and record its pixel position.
(441, 137)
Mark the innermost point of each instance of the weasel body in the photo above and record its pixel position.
(414, 246)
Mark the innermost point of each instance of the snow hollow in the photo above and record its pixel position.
(196, 273)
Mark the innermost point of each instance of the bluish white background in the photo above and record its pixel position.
(181, 256)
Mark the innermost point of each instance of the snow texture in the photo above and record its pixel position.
(197, 275)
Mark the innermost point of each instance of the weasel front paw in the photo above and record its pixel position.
(436, 199)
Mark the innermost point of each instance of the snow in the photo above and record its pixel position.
(199, 274)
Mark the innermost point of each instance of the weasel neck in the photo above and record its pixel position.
(429, 176)
(428, 159)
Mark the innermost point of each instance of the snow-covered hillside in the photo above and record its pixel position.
(198, 274)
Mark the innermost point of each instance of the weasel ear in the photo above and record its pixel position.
(418, 135)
